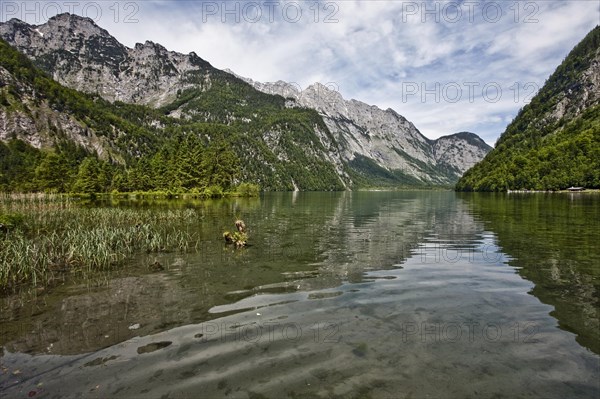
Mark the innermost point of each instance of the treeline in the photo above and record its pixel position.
(539, 152)
(570, 157)
(181, 165)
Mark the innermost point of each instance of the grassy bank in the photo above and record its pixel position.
(43, 237)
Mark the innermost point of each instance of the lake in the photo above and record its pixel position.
(365, 294)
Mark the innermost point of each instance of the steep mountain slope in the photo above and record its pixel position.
(554, 142)
(36, 112)
(304, 140)
(386, 139)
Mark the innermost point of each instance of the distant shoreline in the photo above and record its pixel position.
(587, 190)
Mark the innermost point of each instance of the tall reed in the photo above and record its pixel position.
(58, 235)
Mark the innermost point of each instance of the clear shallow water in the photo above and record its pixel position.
(407, 294)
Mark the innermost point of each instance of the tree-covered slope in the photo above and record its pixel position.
(554, 142)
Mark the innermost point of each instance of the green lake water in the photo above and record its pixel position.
(365, 294)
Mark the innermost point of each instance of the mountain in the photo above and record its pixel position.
(153, 99)
(383, 140)
(554, 142)
(127, 147)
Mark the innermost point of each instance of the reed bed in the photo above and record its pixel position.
(56, 235)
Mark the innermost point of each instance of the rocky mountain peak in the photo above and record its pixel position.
(395, 114)
(76, 23)
(323, 98)
(149, 44)
(79, 54)
(79, 36)
(17, 32)
(74, 33)
(460, 151)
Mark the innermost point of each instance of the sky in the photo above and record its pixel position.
(447, 66)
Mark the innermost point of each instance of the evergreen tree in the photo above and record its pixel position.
(53, 173)
(89, 177)
(220, 164)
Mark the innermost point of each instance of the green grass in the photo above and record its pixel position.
(56, 235)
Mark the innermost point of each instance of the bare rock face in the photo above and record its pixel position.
(34, 121)
(581, 95)
(460, 151)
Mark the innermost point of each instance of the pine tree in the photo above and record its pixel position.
(88, 180)
(53, 173)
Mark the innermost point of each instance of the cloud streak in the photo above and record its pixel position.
(372, 50)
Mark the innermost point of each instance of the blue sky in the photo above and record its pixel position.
(447, 66)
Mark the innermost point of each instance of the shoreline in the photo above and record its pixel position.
(586, 191)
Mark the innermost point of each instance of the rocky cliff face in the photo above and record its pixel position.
(361, 141)
(581, 92)
(460, 151)
(26, 115)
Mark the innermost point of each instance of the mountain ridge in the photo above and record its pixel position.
(364, 122)
(108, 61)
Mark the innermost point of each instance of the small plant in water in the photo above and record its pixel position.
(239, 238)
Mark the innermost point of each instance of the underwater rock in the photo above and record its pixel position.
(156, 267)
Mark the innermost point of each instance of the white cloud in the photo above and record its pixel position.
(373, 50)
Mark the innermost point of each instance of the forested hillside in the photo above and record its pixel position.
(554, 142)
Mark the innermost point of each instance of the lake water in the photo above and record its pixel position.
(365, 294)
